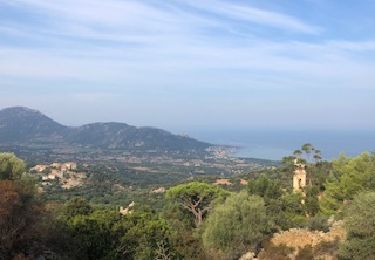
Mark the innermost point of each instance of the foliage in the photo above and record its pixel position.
(287, 163)
(146, 233)
(292, 213)
(106, 234)
(186, 239)
(265, 188)
(285, 209)
(11, 167)
(19, 211)
(194, 220)
(349, 176)
(77, 206)
(311, 200)
(360, 226)
(90, 235)
(237, 225)
(308, 149)
(318, 174)
(195, 198)
(319, 223)
(15, 218)
(297, 153)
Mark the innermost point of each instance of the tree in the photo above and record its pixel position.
(11, 167)
(360, 226)
(236, 226)
(288, 162)
(292, 213)
(349, 176)
(319, 222)
(77, 206)
(312, 202)
(196, 198)
(317, 156)
(18, 210)
(106, 234)
(270, 191)
(307, 148)
(318, 174)
(163, 252)
(297, 154)
(90, 235)
(142, 235)
(265, 188)
(183, 233)
(11, 222)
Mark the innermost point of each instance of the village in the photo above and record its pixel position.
(65, 174)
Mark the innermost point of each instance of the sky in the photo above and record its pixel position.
(276, 64)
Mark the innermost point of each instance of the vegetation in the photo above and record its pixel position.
(192, 220)
(103, 234)
(196, 198)
(237, 226)
(360, 219)
(348, 177)
(19, 211)
(11, 167)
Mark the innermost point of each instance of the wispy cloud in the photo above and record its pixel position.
(190, 48)
(246, 13)
(353, 45)
(123, 19)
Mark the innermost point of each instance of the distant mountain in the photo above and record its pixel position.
(19, 125)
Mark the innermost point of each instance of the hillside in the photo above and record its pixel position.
(20, 124)
(24, 126)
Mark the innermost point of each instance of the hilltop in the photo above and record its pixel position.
(117, 152)
(24, 126)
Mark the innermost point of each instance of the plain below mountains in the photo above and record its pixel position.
(24, 126)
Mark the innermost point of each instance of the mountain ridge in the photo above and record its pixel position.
(23, 125)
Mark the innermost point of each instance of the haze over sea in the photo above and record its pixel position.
(275, 144)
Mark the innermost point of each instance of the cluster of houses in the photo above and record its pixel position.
(65, 174)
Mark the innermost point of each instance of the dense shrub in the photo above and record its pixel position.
(238, 225)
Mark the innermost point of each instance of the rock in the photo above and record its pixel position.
(247, 256)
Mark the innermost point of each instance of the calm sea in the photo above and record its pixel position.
(275, 144)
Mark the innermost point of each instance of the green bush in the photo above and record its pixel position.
(236, 226)
(319, 223)
(360, 226)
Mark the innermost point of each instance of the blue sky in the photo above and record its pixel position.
(188, 64)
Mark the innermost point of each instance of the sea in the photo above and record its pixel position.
(275, 144)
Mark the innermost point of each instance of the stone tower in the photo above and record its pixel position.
(299, 178)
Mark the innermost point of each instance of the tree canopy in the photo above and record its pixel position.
(198, 221)
(18, 211)
(265, 188)
(360, 226)
(236, 226)
(11, 167)
(349, 176)
(196, 198)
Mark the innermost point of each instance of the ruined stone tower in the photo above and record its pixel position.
(299, 178)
